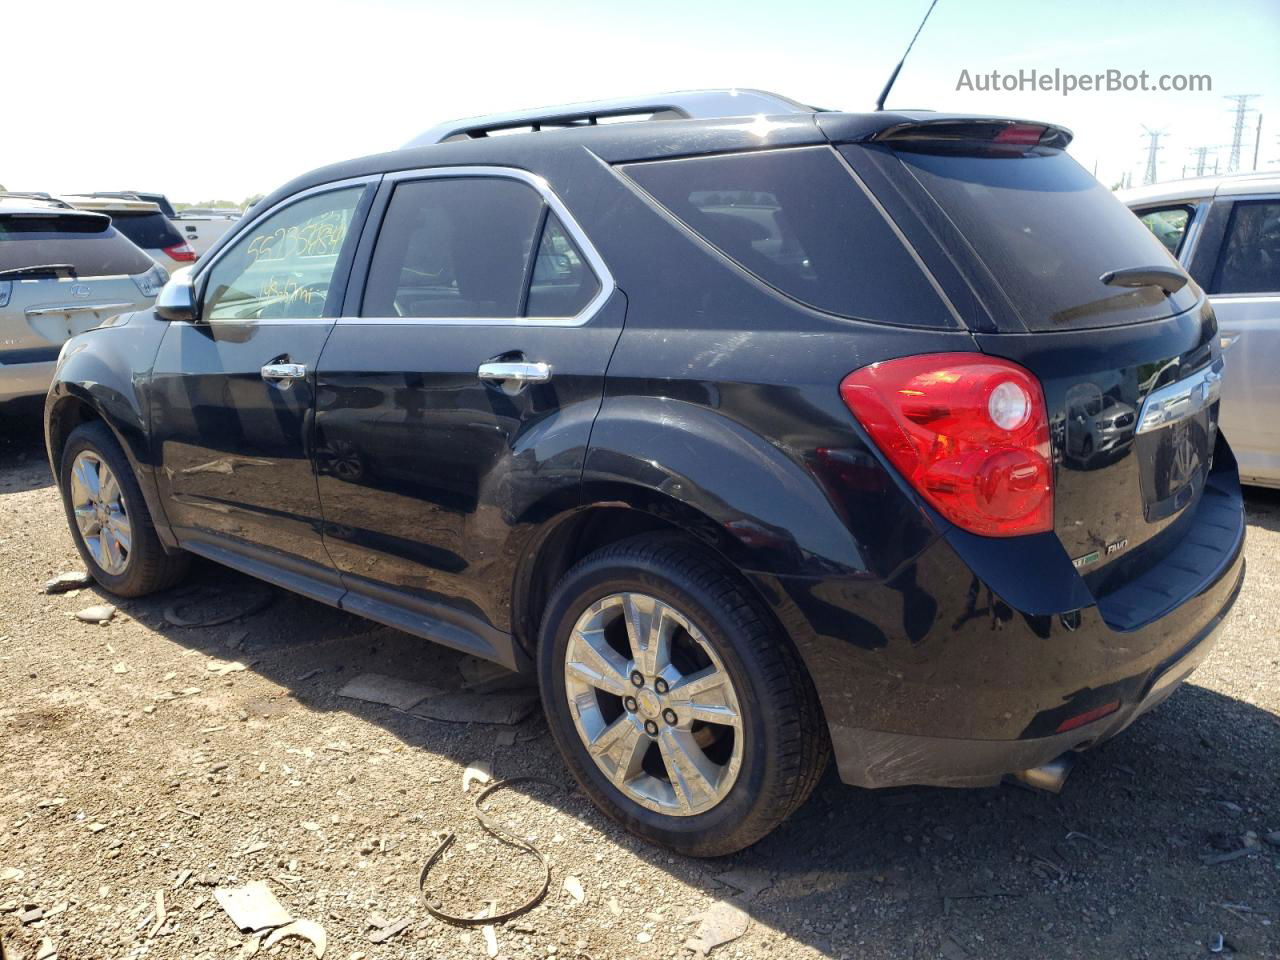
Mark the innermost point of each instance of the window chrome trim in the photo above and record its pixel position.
(589, 253)
(1178, 401)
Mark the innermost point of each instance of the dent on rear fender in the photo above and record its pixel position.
(768, 505)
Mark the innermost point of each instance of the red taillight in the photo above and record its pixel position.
(1021, 134)
(181, 252)
(1080, 719)
(969, 432)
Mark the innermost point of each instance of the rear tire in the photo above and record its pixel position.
(745, 779)
(112, 529)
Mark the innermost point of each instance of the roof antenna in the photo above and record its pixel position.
(898, 69)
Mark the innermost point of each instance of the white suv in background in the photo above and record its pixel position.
(1225, 231)
(62, 271)
(143, 222)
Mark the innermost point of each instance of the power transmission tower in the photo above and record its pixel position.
(1257, 140)
(1202, 159)
(1153, 147)
(1241, 100)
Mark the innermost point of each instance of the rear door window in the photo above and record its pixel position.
(1047, 231)
(151, 231)
(562, 284)
(1250, 259)
(89, 244)
(798, 220)
(475, 248)
(1168, 225)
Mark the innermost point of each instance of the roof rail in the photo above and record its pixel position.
(681, 105)
(35, 195)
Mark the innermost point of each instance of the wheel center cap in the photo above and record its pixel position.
(649, 703)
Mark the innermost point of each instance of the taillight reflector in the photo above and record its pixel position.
(182, 252)
(1080, 719)
(969, 432)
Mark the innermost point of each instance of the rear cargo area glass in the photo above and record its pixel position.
(1047, 231)
(151, 231)
(797, 220)
(33, 241)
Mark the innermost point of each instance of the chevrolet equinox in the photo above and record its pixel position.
(758, 440)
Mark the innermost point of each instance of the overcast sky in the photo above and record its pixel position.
(224, 99)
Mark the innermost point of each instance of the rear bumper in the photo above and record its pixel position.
(965, 665)
(19, 380)
(870, 758)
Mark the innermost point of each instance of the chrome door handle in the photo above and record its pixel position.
(520, 372)
(284, 371)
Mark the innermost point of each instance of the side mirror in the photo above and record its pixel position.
(177, 301)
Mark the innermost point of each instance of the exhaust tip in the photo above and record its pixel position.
(1051, 776)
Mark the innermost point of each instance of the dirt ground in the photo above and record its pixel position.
(128, 767)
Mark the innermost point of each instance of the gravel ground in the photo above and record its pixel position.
(113, 790)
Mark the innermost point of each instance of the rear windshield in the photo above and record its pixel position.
(91, 246)
(1048, 231)
(799, 221)
(151, 231)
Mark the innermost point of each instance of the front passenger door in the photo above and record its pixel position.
(233, 393)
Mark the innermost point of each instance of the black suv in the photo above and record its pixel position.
(756, 439)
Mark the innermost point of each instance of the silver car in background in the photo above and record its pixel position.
(1226, 232)
(62, 271)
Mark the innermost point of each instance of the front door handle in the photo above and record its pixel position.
(520, 372)
(274, 372)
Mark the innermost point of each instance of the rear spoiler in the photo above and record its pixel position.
(920, 129)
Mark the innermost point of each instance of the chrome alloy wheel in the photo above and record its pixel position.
(101, 513)
(653, 704)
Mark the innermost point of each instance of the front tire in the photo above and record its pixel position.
(677, 704)
(108, 517)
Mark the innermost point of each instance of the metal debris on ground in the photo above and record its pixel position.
(490, 940)
(1077, 835)
(507, 709)
(383, 934)
(46, 950)
(720, 924)
(574, 887)
(751, 881)
(389, 691)
(222, 668)
(485, 676)
(307, 930)
(478, 772)
(71, 580)
(1216, 943)
(1212, 859)
(252, 907)
(98, 613)
(161, 916)
(212, 606)
(490, 916)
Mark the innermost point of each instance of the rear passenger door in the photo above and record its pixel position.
(1245, 292)
(456, 395)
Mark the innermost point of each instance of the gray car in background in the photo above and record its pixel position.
(62, 271)
(1226, 232)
